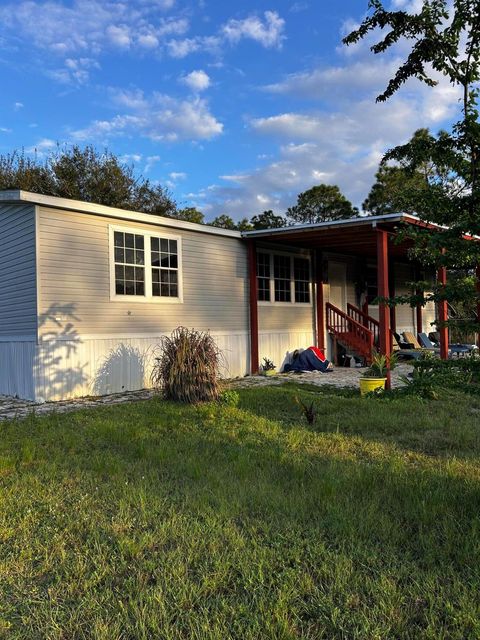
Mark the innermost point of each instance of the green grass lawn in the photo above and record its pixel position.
(153, 520)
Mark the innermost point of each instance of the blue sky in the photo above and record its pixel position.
(236, 107)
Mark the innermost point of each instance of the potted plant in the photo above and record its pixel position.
(375, 377)
(268, 368)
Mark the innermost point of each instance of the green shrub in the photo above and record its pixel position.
(188, 366)
(450, 373)
(229, 398)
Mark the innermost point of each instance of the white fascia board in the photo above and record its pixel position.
(112, 212)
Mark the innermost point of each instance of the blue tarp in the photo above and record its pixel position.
(312, 359)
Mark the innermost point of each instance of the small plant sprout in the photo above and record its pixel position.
(309, 410)
(268, 365)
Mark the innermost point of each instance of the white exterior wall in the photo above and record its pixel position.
(90, 344)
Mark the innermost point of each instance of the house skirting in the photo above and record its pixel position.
(97, 365)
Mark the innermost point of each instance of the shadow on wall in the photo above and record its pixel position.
(58, 371)
(123, 369)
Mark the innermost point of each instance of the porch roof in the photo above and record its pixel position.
(354, 236)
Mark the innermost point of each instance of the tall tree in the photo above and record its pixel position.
(224, 222)
(444, 39)
(190, 214)
(319, 204)
(268, 220)
(394, 185)
(85, 174)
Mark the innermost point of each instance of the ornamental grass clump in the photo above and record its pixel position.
(188, 366)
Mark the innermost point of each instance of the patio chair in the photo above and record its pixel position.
(453, 349)
(404, 350)
(409, 337)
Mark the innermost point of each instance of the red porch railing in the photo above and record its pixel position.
(363, 318)
(352, 334)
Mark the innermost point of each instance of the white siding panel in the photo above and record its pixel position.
(405, 315)
(18, 301)
(83, 367)
(75, 281)
(278, 345)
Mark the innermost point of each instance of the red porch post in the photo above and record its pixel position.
(383, 292)
(478, 303)
(443, 316)
(320, 305)
(252, 276)
(418, 308)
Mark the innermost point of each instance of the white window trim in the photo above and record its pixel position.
(272, 301)
(147, 297)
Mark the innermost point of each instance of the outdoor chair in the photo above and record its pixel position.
(404, 350)
(410, 338)
(455, 348)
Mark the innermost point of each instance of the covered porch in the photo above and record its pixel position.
(374, 264)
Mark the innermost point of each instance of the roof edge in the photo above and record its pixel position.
(358, 220)
(79, 206)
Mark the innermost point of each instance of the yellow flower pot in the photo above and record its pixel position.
(270, 372)
(367, 385)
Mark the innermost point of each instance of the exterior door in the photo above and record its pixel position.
(337, 279)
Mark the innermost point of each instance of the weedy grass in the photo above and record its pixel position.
(159, 520)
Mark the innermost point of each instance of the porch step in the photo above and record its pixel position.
(347, 331)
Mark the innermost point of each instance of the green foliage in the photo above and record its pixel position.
(421, 384)
(190, 214)
(268, 220)
(187, 367)
(88, 175)
(380, 365)
(309, 410)
(319, 204)
(244, 225)
(397, 189)
(224, 222)
(445, 37)
(229, 398)
(453, 373)
(267, 364)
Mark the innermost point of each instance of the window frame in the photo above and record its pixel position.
(148, 296)
(291, 256)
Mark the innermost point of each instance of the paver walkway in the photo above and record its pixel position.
(12, 408)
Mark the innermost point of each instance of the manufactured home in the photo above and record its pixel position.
(86, 292)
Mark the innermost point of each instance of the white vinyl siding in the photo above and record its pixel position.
(18, 301)
(74, 268)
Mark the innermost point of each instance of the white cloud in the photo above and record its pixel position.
(340, 142)
(148, 41)
(89, 27)
(119, 36)
(158, 117)
(130, 158)
(177, 175)
(268, 32)
(18, 105)
(336, 82)
(151, 161)
(43, 147)
(5, 130)
(196, 80)
(182, 48)
(75, 71)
